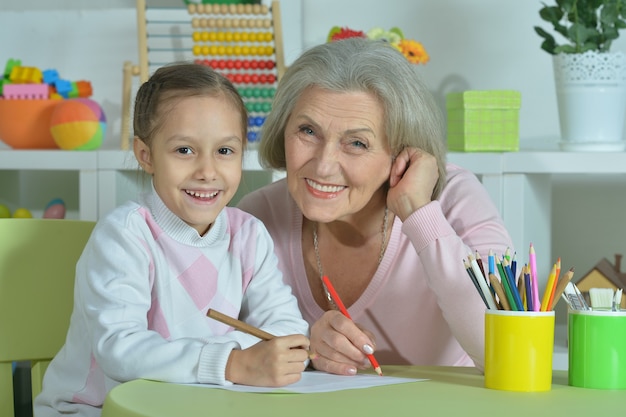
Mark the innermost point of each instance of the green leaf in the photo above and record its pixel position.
(585, 24)
(551, 14)
(397, 31)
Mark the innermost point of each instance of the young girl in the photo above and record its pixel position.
(153, 268)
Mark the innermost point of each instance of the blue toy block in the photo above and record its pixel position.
(63, 87)
(50, 76)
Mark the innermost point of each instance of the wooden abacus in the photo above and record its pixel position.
(242, 41)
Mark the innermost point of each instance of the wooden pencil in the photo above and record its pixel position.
(244, 327)
(560, 287)
(239, 325)
(497, 286)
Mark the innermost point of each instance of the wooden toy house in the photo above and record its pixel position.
(604, 275)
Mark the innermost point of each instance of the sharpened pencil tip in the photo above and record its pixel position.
(378, 371)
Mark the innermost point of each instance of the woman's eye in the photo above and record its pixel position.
(184, 150)
(307, 130)
(359, 144)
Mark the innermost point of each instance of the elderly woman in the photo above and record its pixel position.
(369, 201)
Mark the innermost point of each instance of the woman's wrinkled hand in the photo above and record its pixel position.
(414, 174)
(340, 345)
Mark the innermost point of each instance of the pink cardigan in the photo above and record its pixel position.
(421, 303)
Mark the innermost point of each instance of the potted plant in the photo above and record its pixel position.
(590, 78)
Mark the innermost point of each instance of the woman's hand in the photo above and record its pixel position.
(413, 177)
(340, 345)
(273, 363)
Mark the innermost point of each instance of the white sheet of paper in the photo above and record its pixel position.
(315, 381)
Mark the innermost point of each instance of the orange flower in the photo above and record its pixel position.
(414, 51)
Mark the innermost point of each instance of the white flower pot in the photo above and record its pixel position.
(591, 96)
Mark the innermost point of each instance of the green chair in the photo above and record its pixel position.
(37, 267)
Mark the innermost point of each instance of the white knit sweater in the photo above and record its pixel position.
(143, 286)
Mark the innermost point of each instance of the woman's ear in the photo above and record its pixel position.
(143, 155)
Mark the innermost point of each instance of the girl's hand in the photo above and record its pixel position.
(339, 344)
(273, 363)
(414, 174)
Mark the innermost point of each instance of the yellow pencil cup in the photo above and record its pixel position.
(518, 350)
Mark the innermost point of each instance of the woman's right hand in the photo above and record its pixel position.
(340, 345)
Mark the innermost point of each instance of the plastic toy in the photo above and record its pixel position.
(55, 209)
(63, 87)
(22, 213)
(26, 91)
(25, 124)
(25, 75)
(78, 124)
(5, 212)
(50, 76)
(9, 66)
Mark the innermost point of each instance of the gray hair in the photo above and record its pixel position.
(412, 118)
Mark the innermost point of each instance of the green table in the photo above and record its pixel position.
(449, 391)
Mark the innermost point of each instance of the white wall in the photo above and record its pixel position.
(478, 44)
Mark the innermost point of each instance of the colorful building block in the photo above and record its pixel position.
(84, 88)
(9, 66)
(25, 75)
(25, 91)
(63, 87)
(50, 76)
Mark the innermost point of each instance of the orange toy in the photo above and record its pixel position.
(25, 124)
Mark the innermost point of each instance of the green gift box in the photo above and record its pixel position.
(484, 121)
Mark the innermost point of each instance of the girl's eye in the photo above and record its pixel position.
(225, 151)
(184, 150)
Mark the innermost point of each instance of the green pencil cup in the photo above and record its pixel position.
(597, 349)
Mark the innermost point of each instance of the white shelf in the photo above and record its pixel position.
(519, 183)
(14, 163)
(47, 160)
(105, 177)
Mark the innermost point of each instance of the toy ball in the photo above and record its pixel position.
(5, 212)
(22, 213)
(78, 124)
(55, 209)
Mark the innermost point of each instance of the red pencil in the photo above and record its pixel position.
(344, 311)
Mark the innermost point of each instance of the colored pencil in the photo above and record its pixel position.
(514, 264)
(505, 284)
(521, 288)
(481, 265)
(492, 262)
(482, 282)
(239, 325)
(548, 290)
(474, 279)
(560, 288)
(529, 290)
(516, 295)
(244, 327)
(556, 281)
(532, 259)
(342, 308)
(497, 286)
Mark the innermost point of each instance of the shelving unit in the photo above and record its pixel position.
(31, 178)
(519, 183)
(91, 182)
